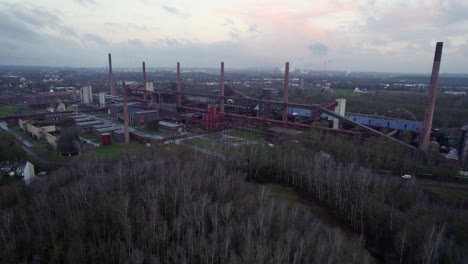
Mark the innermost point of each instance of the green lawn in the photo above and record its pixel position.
(118, 149)
(403, 92)
(180, 149)
(248, 135)
(212, 136)
(7, 110)
(42, 150)
(345, 92)
(91, 136)
(199, 142)
(11, 110)
(17, 130)
(162, 133)
(447, 194)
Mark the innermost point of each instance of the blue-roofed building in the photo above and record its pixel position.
(387, 122)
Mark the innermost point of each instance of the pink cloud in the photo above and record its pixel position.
(288, 20)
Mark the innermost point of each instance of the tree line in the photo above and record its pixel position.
(400, 223)
(450, 111)
(161, 209)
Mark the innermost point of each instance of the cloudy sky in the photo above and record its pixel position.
(356, 35)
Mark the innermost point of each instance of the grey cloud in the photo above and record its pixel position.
(175, 11)
(318, 49)
(112, 26)
(228, 22)
(38, 18)
(14, 31)
(34, 17)
(253, 29)
(95, 38)
(168, 42)
(68, 31)
(137, 27)
(234, 35)
(453, 11)
(9, 46)
(234, 32)
(171, 10)
(378, 42)
(86, 2)
(135, 43)
(464, 48)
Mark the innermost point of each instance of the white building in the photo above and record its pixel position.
(86, 94)
(102, 99)
(26, 170)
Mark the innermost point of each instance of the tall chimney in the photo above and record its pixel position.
(425, 137)
(125, 110)
(111, 82)
(144, 81)
(221, 92)
(179, 96)
(285, 92)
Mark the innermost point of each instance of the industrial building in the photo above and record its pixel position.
(38, 128)
(138, 116)
(86, 94)
(170, 127)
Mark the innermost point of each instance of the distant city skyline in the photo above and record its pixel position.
(341, 35)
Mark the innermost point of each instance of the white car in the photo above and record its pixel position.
(407, 176)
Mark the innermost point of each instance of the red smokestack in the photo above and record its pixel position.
(285, 92)
(125, 110)
(425, 137)
(179, 97)
(111, 82)
(221, 104)
(144, 81)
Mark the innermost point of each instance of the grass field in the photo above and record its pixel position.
(201, 143)
(248, 135)
(91, 136)
(213, 136)
(449, 195)
(118, 149)
(7, 110)
(11, 110)
(345, 92)
(16, 129)
(42, 150)
(403, 92)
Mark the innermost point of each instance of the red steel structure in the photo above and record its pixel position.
(179, 96)
(221, 91)
(285, 92)
(111, 82)
(211, 119)
(125, 110)
(144, 80)
(425, 137)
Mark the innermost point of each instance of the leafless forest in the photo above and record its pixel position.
(191, 208)
(400, 222)
(162, 210)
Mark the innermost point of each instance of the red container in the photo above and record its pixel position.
(106, 139)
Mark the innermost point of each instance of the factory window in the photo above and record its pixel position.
(388, 124)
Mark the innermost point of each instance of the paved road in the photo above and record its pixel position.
(25, 144)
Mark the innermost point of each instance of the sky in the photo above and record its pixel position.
(345, 35)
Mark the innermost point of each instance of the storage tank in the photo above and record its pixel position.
(106, 139)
